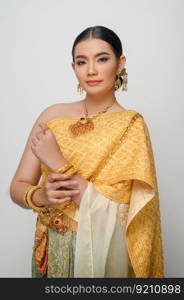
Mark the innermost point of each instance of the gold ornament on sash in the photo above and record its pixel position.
(85, 124)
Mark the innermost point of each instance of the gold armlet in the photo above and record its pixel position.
(28, 201)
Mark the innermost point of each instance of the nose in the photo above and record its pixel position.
(91, 69)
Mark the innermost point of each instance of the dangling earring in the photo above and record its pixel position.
(117, 82)
(79, 89)
(125, 80)
(121, 81)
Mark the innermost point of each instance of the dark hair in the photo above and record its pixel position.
(102, 33)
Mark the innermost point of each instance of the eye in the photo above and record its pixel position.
(104, 59)
(80, 62)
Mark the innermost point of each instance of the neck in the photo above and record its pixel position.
(98, 102)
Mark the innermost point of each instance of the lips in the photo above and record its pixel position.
(93, 82)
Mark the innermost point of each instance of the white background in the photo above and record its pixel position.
(36, 39)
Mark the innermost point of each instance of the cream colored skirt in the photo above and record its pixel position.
(100, 249)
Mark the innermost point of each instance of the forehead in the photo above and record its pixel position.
(92, 46)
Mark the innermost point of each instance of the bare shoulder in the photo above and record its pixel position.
(61, 110)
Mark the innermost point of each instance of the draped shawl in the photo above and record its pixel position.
(116, 156)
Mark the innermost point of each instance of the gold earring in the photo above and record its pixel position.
(122, 81)
(117, 82)
(79, 89)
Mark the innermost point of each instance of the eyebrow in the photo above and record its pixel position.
(98, 54)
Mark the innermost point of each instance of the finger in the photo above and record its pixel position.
(43, 126)
(38, 135)
(40, 131)
(54, 177)
(34, 141)
(64, 200)
(32, 149)
(63, 194)
(57, 201)
(48, 131)
(66, 184)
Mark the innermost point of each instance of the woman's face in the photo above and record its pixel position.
(95, 60)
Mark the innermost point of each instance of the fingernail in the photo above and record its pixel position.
(76, 191)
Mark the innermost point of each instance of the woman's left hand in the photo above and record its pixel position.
(45, 147)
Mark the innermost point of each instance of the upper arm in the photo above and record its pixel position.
(29, 167)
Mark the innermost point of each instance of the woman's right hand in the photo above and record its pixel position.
(58, 189)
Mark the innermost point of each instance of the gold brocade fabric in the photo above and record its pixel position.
(123, 170)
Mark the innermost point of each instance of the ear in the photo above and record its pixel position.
(121, 64)
(73, 65)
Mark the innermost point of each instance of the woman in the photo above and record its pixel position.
(88, 172)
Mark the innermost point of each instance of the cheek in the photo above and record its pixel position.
(80, 73)
(109, 72)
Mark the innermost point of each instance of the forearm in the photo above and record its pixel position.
(56, 162)
(18, 189)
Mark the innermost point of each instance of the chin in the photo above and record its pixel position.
(96, 91)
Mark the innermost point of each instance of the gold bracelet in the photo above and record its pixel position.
(28, 200)
(68, 169)
(25, 196)
(63, 168)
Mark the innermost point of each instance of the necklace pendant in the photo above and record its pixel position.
(83, 120)
(85, 124)
(82, 126)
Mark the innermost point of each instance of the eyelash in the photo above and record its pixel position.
(78, 63)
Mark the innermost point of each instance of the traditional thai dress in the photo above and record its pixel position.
(116, 230)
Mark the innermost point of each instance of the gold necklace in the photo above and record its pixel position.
(85, 124)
